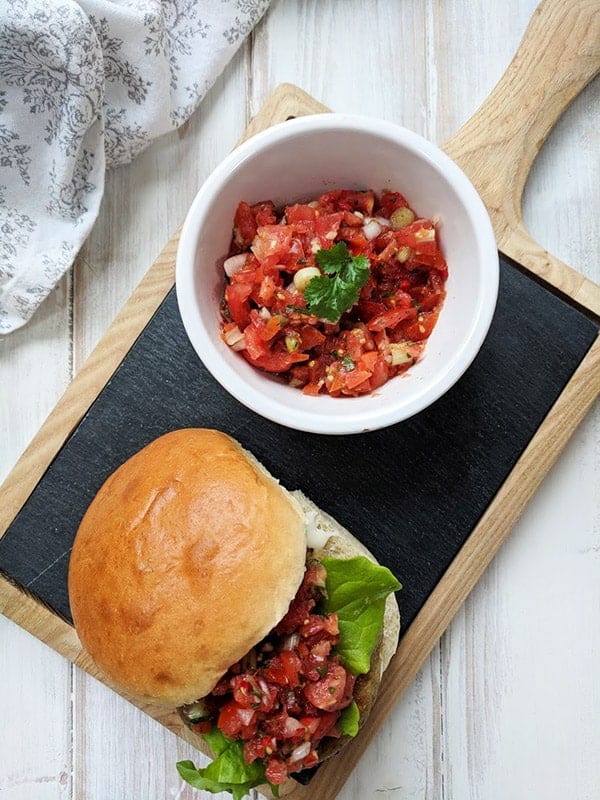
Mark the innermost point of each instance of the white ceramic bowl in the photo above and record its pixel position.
(298, 160)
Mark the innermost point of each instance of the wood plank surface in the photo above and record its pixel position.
(478, 705)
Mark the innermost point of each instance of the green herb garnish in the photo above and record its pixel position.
(356, 591)
(347, 363)
(228, 772)
(329, 295)
(349, 720)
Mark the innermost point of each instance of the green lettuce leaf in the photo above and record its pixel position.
(228, 772)
(349, 719)
(356, 591)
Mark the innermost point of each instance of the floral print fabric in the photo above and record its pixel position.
(86, 85)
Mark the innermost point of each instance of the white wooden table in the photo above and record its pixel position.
(508, 705)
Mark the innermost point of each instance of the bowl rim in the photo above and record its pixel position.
(314, 421)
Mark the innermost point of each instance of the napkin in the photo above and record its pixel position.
(86, 85)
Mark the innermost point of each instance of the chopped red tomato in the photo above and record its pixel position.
(391, 318)
(276, 771)
(327, 692)
(277, 328)
(247, 220)
(289, 695)
(237, 722)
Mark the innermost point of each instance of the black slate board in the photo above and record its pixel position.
(412, 492)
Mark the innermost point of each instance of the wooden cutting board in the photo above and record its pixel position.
(558, 56)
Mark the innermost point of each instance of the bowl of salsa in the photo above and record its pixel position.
(337, 273)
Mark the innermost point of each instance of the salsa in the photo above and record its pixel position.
(337, 295)
(288, 693)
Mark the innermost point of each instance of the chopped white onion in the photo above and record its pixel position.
(300, 752)
(241, 345)
(371, 228)
(304, 276)
(291, 727)
(384, 222)
(264, 313)
(234, 264)
(291, 642)
(233, 336)
(235, 339)
(246, 715)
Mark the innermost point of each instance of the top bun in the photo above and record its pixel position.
(188, 556)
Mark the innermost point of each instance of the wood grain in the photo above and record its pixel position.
(431, 683)
(559, 55)
(454, 586)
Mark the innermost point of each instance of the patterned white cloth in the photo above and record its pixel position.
(86, 85)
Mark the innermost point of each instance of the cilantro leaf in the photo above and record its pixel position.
(332, 259)
(347, 363)
(228, 772)
(356, 592)
(329, 295)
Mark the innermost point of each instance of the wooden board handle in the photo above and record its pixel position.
(558, 56)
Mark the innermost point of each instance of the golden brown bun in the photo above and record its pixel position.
(188, 555)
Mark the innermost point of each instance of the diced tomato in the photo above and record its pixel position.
(400, 301)
(298, 612)
(310, 337)
(248, 218)
(236, 296)
(311, 760)
(204, 726)
(354, 237)
(380, 374)
(243, 691)
(314, 581)
(266, 291)
(276, 771)
(326, 228)
(256, 345)
(356, 201)
(421, 327)
(299, 212)
(316, 623)
(327, 692)
(313, 388)
(257, 748)
(271, 243)
(326, 725)
(389, 202)
(356, 377)
(291, 666)
(244, 226)
(234, 720)
(353, 220)
(278, 361)
(295, 691)
(264, 213)
(299, 375)
(389, 319)
(275, 672)
(368, 360)
(369, 309)
(311, 724)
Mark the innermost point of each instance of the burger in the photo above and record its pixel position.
(197, 582)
